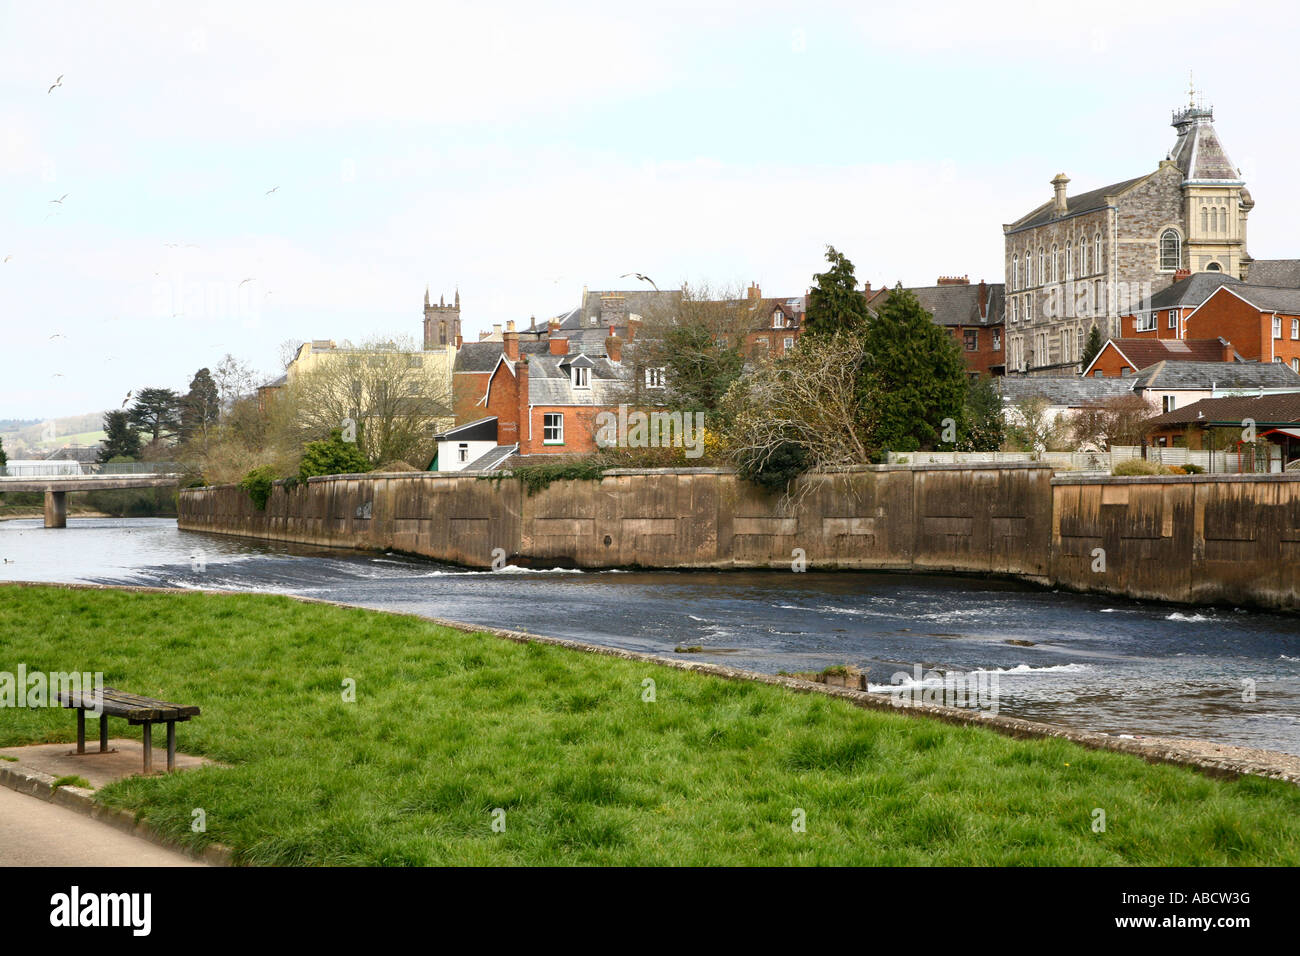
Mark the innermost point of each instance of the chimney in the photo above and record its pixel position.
(755, 293)
(510, 325)
(459, 340)
(1058, 191)
(1182, 274)
(953, 280)
(1227, 348)
(511, 345)
(521, 373)
(614, 348)
(553, 326)
(496, 330)
(866, 289)
(559, 346)
(633, 323)
(613, 309)
(984, 300)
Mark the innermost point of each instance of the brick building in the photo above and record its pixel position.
(973, 315)
(1088, 259)
(1120, 358)
(1263, 323)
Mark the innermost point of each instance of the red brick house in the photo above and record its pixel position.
(1120, 358)
(973, 315)
(1262, 322)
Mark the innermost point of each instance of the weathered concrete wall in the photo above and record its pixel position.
(1203, 539)
(941, 517)
(1194, 539)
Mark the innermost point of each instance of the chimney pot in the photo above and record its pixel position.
(1059, 182)
(559, 346)
(510, 345)
(614, 348)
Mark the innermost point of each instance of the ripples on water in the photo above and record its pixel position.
(1091, 662)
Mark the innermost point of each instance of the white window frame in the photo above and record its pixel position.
(462, 453)
(581, 376)
(553, 423)
(1173, 319)
(1178, 250)
(1295, 330)
(654, 378)
(1144, 322)
(788, 342)
(1277, 326)
(778, 319)
(1168, 403)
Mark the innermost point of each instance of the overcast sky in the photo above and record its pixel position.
(522, 151)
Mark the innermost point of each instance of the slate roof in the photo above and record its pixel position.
(1070, 391)
(492, 459)
(482, 429)
(1264, 409)
(1173, 375)
(1279, 273)
(549, 384)
(1083, 202)
(953, 305)
(1198, 151)
(1271, 299)
(1189, 292)
(482, 356)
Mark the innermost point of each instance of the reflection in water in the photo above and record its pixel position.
(1092, 662)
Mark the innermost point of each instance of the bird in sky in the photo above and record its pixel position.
(58, 335)
(640, 277)
(57, 375)
(61, 198)
(8, 257)
(57, 84)
(272, 189)
(249, 279)
(128, 397)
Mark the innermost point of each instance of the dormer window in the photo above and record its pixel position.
(581, 376)
(654, 378)
(778, 319)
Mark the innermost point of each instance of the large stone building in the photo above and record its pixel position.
(1087, 259)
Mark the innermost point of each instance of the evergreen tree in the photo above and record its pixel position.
(4, 459)
(983, 431)
(332, 456)
(201, 406)
(698, 368)
(834, 302)
(1091, 347)
(919, 376)
(156, 411)
(123, 439)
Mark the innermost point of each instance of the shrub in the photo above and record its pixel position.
(332, 456)
(1136, 466)
(537, 477)
(1176, 470)
(1194, 469)
(258, 484)
(775, 470)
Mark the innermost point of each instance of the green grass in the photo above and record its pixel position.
(72, 780)
(448, 726)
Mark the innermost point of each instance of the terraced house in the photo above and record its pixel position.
(1088, 259)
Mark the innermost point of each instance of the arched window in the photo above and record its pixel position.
(1042, 265)
(1223, 218)
(1213, 267)
(1205, 220)
(1056, 264)
(1029, 268)
(1069, 261)
(1083, 257)
(1096, 250)
(1171, 251)
(1015, 272)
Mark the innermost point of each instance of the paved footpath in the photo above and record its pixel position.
(36, 833)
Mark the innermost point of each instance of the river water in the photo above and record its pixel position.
(1090, 662)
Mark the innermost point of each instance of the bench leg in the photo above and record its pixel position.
(81, 731)
(148, 748)
(171, 745)
(103, 733)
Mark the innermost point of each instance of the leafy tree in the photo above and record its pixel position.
(122, 439)
(834, 302)
(4, 459)
(1033, 426)
(983, 430)
(332, 456)
(158, 412)
(200, 409)
(698, 369)
(917, 372)
(1091, 347)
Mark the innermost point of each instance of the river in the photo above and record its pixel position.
(1084, 661)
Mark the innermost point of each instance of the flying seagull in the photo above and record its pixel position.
(640, 277)
(57, 84)
(58, 335)
(272, 189)
(249, 279)
(128, 397)
(61, 198)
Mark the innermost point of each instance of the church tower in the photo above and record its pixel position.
(441, 322)
(1215, 199)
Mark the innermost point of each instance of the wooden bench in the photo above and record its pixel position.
(144, 711)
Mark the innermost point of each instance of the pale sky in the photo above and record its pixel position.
(522, 151)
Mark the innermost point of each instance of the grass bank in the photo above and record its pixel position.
(449, 726)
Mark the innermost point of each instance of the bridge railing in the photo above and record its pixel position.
(74, 469)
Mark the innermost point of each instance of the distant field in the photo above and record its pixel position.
(450, 731)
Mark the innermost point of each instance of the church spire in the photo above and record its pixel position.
(426, 296)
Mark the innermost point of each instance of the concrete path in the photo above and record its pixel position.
(36, 833)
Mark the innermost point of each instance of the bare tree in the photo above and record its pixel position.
(1032, 424)
(389, 395)
(812, 399)
(1119, 420)
(234, 380)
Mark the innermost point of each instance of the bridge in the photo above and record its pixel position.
(57, 478)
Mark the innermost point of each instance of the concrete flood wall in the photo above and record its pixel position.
(1200, 539)
(1192, 539)
(953, 518)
